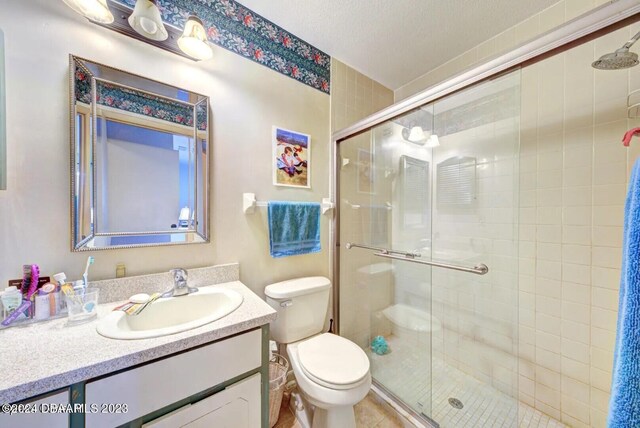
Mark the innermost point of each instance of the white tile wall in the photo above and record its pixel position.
(573, 177)
(573, 118)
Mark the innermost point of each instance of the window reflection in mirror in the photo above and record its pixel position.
(140, 151)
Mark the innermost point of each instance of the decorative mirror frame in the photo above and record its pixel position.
(191, 233)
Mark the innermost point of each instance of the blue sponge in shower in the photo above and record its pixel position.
(379, 345)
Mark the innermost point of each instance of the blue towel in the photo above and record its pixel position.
(294, 228)
(624, 407)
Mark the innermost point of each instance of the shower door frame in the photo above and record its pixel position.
(594, 24)
(599, 21)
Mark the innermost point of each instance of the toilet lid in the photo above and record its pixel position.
(333, 361)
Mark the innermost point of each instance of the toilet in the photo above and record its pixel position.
(332, 372)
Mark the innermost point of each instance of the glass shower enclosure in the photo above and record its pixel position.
(428, 254)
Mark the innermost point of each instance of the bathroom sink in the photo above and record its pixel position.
(171, 315)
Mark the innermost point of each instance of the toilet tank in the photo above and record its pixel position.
(301, 305)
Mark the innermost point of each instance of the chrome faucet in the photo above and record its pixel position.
(180, 287)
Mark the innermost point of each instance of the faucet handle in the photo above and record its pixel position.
(179, 274)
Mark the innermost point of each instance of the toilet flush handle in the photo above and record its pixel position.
(286, 303)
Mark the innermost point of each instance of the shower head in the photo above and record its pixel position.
(620, 59)
(617, 60)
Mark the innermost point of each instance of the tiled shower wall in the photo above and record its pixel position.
(533, 26)
(353, 97)
(573, 175)
(574, 171)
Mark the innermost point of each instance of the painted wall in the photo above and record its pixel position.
(246, 100)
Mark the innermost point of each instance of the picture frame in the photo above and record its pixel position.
(365, 172)
(291, 158)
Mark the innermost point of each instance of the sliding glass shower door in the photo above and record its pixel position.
(427, 200)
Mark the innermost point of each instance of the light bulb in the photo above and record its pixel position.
(95, 10)
(433, 141)
(146, 20)
(193, 41)
(417, 135)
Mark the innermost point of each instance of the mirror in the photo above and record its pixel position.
(140, 160)
(414, 196)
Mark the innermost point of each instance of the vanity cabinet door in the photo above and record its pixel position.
(50, 419)
(151, 387)
(238, 406)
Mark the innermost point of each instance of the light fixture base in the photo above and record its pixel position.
(121, 25)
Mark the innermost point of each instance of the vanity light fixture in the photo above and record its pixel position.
(95, 10)
(144, 23)
(193, 41)
(433, 141)
(417, 135)
(146, 20)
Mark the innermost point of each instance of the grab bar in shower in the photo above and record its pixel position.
(479, 269)
(408, 255)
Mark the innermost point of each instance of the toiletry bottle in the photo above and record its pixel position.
(45, 302)
(11, 299)
(63, 288)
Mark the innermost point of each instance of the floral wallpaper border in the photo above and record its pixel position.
(140, 103)
(242, 31)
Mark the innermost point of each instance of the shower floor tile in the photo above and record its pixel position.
(405, 372)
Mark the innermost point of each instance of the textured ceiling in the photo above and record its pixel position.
(396, 41)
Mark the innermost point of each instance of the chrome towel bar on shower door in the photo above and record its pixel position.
(349, 246)
(479, 269)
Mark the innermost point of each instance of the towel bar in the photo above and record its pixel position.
(249, 203)
(479, 269)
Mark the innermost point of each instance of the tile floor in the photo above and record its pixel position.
(371, 412)
(484, 406)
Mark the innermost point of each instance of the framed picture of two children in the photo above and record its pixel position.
(291, 158)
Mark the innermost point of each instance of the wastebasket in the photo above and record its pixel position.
(278, 368)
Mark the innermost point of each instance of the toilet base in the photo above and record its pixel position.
(342, 416)
(301, 409)
(310, 416)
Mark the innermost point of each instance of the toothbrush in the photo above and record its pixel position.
(85, 275)
(31, 275)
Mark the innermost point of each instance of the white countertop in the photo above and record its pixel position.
(46, 356)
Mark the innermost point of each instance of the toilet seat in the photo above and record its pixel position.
(333, 361)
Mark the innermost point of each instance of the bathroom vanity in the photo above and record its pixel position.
(216, 374)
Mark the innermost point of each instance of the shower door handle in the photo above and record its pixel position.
(350, 245)
(479, 269)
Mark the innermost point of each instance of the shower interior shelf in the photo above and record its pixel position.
(633, 104)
